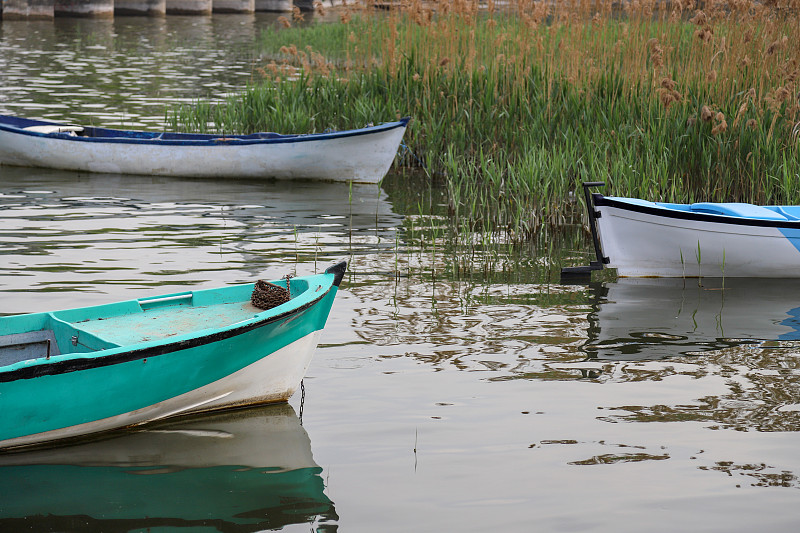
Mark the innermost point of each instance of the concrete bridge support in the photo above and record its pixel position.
(189, 7)
(151, 8)
(234, 6)
(280, 6)
(47, 9)
(27, 9)
(84, 8)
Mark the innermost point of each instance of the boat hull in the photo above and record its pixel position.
(259, 358)
(364, 155)
(641, 243)
(268, 380)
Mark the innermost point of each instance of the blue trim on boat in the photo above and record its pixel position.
(17, 125)
(736, 210)
(793, 234)
(650, 208)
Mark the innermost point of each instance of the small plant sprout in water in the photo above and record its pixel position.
(350, 204)
(683, 266)
(699, 257)
(723, 273)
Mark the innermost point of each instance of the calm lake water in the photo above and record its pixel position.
(454, 389)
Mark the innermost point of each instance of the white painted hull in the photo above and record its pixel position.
(271, 379)
(363, 156)
(647, 245)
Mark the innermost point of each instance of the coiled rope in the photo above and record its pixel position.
(267, 295)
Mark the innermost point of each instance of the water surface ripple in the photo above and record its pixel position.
(456, 388)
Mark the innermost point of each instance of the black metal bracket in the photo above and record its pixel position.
(586, 271)
(338, 271)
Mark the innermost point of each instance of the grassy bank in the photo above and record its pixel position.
(513, 109)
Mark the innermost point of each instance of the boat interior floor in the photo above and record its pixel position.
(164, 322)
(97, 334)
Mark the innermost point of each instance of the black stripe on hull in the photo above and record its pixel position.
(663, 212)
(75, 365)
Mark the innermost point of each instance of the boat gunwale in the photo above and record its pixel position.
(665, 212)
(212, 140)
(66, 363)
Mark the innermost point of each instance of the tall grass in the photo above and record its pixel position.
(513, 109)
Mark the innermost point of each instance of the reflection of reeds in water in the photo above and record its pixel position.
(430, 246)
(513, 107)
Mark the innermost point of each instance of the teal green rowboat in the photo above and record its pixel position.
(71, 373)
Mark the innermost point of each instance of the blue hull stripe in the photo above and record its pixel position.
(793, 234)
(600, 201)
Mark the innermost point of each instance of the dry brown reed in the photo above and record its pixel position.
(741, 47)
(700, 61)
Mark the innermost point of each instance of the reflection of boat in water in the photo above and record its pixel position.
(292, 204)
(244, 470)
(649, 318)
(107, 234)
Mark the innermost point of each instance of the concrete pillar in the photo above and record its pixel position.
(15, 9)
(189, 7)
(27, 9)
(152, 8)
(41, 9)
(84, 8)
(234, 6)
(280, 6)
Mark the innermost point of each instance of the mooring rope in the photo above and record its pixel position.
(302, 399)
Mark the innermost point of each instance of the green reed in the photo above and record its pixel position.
(511, 113)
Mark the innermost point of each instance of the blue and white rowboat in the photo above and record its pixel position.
(361, 155)
(80, 371)
(654, 239)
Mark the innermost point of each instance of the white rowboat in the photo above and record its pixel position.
(361, 155)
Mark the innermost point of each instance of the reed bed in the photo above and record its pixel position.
(512, 108)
